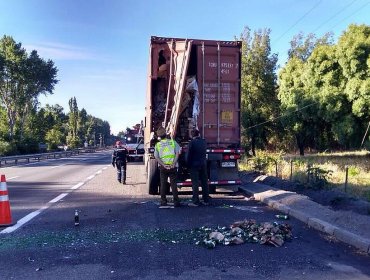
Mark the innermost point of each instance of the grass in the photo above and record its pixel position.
(331, 166)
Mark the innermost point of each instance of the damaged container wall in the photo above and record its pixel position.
(213, 67)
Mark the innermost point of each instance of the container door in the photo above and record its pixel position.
(180, 58)
(219, 87)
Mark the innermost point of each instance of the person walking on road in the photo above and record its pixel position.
(197, 163)
(167, 153)
(119, 160)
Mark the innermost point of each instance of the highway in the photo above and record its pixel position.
(124, 235)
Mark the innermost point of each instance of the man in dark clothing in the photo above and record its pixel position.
(197, 163)
(119, 159)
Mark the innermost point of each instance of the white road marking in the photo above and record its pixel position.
(33, 214)
(75, 187)
(59, 197)
(24, 220)
(11, 178)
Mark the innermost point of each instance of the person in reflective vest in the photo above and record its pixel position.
(167, 153)
(119, 160)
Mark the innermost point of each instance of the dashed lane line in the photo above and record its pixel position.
(33, 214)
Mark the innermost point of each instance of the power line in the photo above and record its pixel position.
(302, 17)
(355, 12)
(282, 116)
(337, 13)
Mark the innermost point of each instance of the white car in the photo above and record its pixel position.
(135, 152)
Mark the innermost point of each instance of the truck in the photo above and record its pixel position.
(194, 83)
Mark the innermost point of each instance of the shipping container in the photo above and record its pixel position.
(195, 83)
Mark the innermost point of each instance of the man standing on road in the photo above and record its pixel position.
(119, 159)
(197, 162)
(167, 153)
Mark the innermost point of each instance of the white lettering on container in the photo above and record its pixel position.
(210, 92)
(226, 67)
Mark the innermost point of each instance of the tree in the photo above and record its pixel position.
(23, 78)
(82, 125)
(258, 87)
(327, 87)
(53, 138)
(301, 47)
(297, 102)
(72, 138)
(353, 53)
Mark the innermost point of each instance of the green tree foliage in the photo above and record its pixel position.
(353, 52)
(82, 125)
(299, 105)
(324, 90)
(23, 124)
(259, 99)
(23, 77)
(53, 138)
(72, 139)
(55, 125)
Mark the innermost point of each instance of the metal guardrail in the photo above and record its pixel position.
(42, 156)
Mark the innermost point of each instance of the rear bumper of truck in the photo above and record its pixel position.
(212, 183)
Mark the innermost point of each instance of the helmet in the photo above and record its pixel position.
(161, 132)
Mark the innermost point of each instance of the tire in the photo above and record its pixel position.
(152, 181)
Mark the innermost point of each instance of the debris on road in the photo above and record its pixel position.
(253, 209)
(245, 231)
(77, 218)
(283, 217)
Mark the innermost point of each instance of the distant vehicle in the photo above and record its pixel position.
(195, 84)
(134, 143)
(135, 152)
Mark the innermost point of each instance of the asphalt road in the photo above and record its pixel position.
(124, 235)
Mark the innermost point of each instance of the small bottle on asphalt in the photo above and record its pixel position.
(283, 217)
(77, 218)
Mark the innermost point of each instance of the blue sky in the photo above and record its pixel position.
(101, 47)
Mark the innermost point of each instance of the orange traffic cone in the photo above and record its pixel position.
(5, 215)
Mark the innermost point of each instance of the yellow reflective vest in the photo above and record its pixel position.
(166, 151)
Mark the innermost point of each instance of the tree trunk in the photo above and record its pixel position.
(300, 144)
(253, 145)
(11, 122)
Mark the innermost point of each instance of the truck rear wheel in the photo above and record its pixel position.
(152, 177)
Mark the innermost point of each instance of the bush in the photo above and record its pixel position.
(7, 148)
(318, 177)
